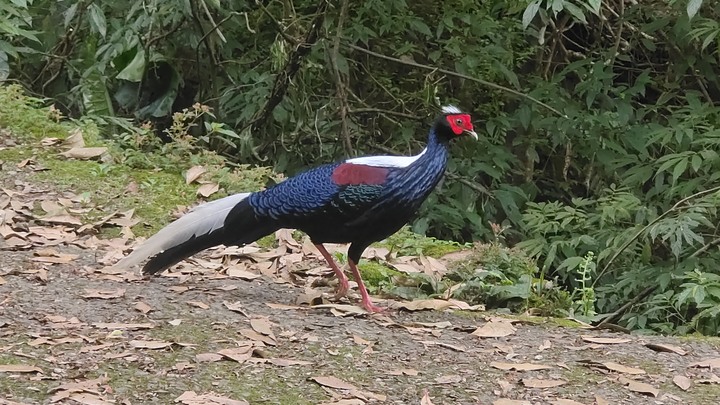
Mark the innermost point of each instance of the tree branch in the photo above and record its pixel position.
(456, 74)
(282, 80)
(339, 83)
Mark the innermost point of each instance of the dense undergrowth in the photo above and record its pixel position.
(613, 189)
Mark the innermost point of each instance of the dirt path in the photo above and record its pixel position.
(62, 338)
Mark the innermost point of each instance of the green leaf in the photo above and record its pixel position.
(595, 6)
(69, 14)
(576, 12)
(530, 13)
(679, 169)
(696, 163)
(699, 294)
(693, 7)
(97, 19)
(571, 263)
(135, 70)
(342, 64)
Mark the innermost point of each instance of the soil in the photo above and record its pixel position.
(452, 365)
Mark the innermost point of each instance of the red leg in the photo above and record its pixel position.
(343, 287)
(366, 301)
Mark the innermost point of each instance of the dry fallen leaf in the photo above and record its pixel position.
(208, 189)
(85, 153)
(150, 344)
(235, 307)
(637, 386)
(563, 401)
(199, 304)
(19, 368)
(710, 363)
(288, 362)
(191, 398)
(542, 383)
(239, 354)
(666, 348)
(494, 330)
(208, 357)
(622, 369)
(262, 326)
(252, 335)
(334, 382)
(604, 340)
(239, 271)
(143, 307)
(683, 382)
(505, 401)
(194, 173)
(123, 326)
(347, 401)
(519, 366)
(104, 294)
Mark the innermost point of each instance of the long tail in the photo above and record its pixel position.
(230, 220)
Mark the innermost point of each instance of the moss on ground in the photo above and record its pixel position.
(376, 275)
(407, 243)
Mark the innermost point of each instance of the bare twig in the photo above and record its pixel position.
(215, 27)
(382, 111)
(339, 82)
(615, 315)
(618, 35)
(278, 27)
(456, 74)
(705, 247)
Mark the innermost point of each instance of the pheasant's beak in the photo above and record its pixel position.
(472, 133)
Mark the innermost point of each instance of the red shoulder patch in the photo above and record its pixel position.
(351, 174)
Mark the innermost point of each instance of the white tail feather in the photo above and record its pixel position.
(201, 220)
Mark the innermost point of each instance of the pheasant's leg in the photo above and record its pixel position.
(343, 287)
(366, 301)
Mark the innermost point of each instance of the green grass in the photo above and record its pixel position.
(158, 181)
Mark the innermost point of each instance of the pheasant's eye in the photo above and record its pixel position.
(458, 121)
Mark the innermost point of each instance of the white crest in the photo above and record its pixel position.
(386, 161)
(451, 109)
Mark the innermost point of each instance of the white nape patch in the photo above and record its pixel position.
(201, 220)
(451, 109)
(386, 161)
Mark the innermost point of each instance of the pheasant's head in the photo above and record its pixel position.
(453, 124)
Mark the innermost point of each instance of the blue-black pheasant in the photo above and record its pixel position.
(357, 201)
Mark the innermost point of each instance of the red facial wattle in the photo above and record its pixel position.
(460, 124)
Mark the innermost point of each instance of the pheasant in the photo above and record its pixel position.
(357, 201)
